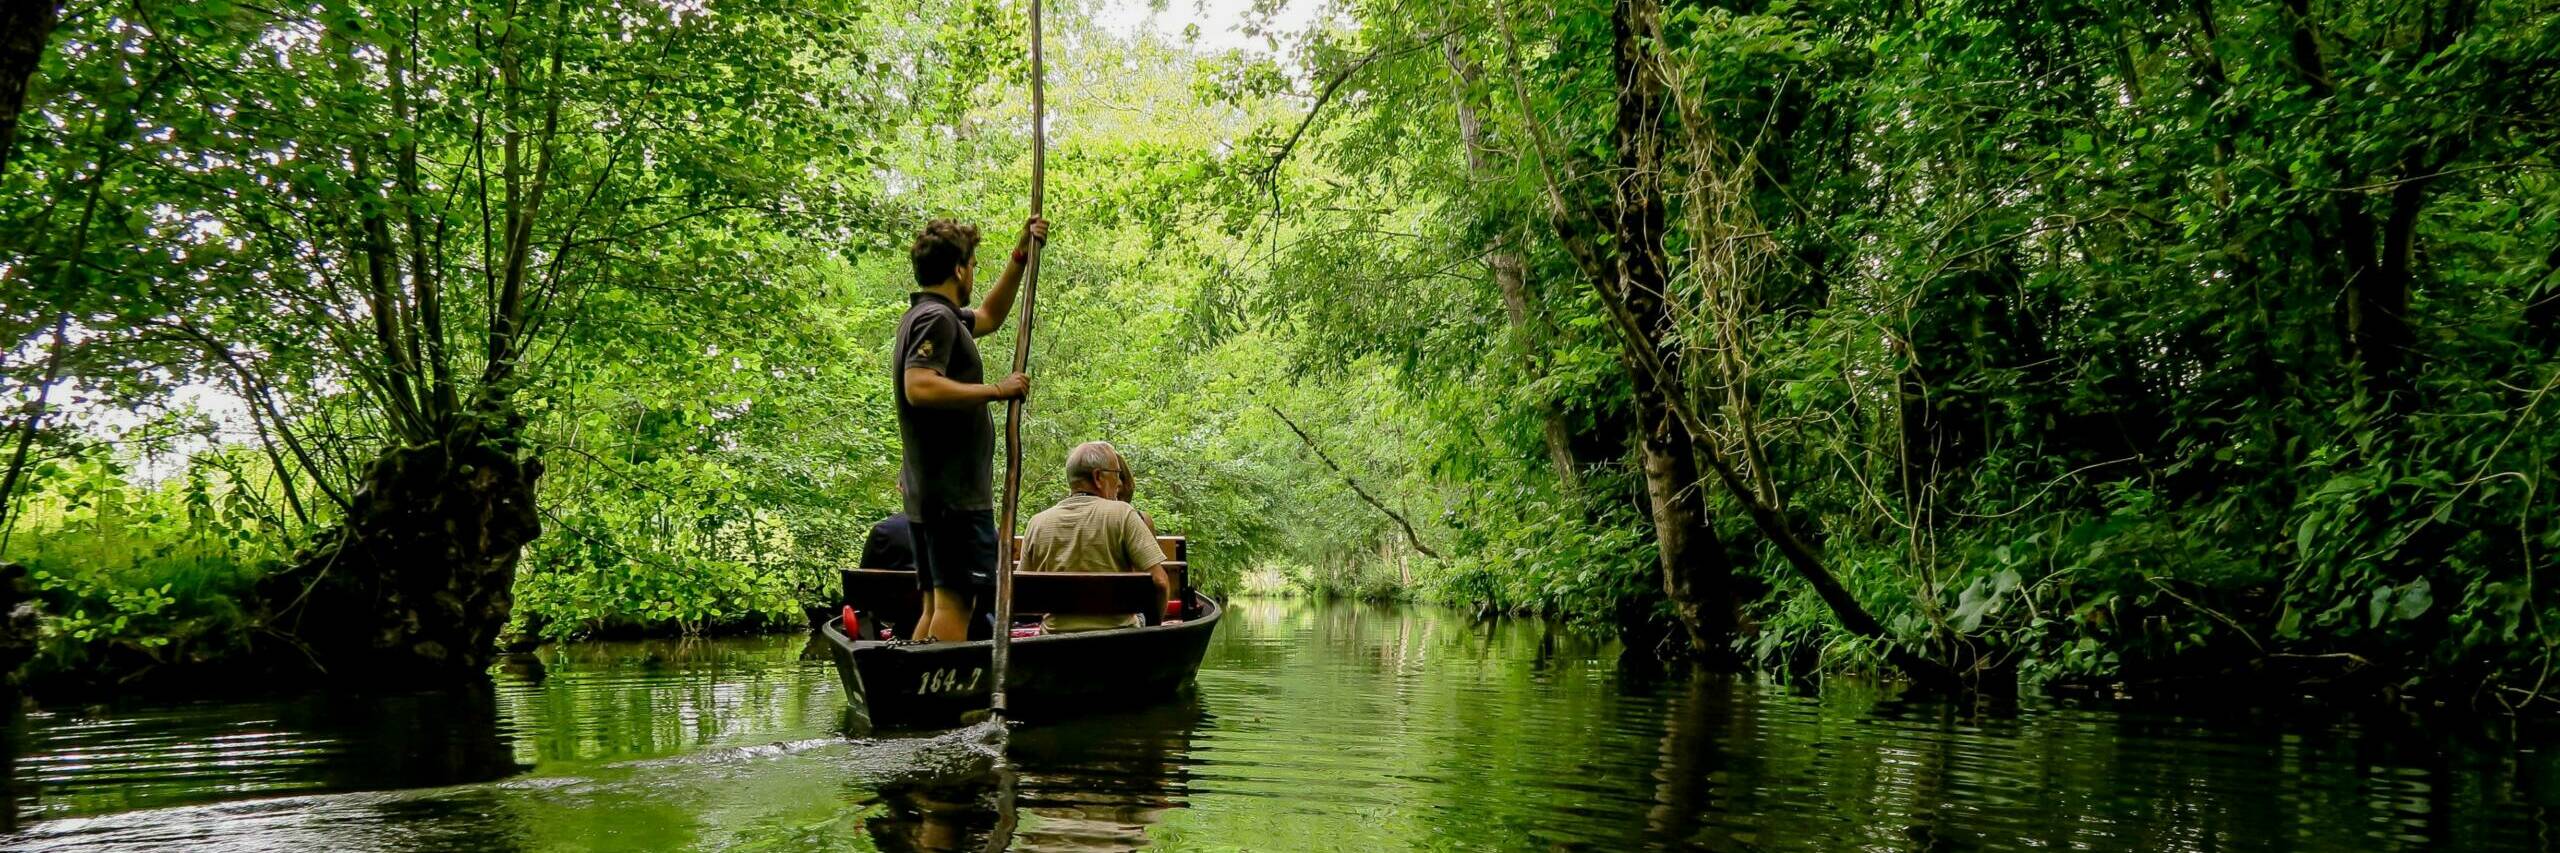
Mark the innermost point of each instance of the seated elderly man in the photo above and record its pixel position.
(1089, 532)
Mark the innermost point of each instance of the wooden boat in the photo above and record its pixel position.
(920, 685)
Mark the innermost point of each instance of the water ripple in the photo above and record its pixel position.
(1315, 727)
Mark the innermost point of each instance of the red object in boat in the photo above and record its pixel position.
(1022, 631)
(852, 625)
(1173, 609)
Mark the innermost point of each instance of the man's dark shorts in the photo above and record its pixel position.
(956, 550)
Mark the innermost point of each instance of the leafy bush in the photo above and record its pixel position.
(135, 576)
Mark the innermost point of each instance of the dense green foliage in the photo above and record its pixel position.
(2086, 340)
(268, 247)
(2095, 339)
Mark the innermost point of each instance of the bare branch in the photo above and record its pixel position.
(1324, 96)
(1348, 480)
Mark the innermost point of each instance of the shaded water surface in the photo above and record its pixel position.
(1316, 727)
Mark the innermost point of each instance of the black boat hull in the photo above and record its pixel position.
(909, 685)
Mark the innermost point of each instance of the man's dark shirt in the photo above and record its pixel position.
(950, 453)
(889, 546)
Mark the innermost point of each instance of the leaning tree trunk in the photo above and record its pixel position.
(417, 580)
(1622, 258)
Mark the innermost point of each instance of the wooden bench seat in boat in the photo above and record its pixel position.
(889, 595)
(1176, 549)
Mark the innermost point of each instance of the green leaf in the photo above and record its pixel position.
(2414, 600)
(1972, 604)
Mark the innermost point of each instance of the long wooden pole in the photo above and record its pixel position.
(1005, 555)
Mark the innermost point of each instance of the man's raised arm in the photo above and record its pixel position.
(999, 301)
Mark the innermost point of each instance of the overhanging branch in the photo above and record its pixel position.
(1347, 479)
(1324, 96)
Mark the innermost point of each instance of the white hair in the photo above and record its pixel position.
(1090, 457)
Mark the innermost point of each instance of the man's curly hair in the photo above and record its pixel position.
(942, 248)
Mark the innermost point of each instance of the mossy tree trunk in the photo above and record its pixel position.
(417, 579)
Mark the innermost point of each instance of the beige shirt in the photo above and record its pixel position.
(1089, 534)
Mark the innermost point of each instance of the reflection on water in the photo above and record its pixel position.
(1098, 783)
(1316, 727)
(600, 702)
(85, 763)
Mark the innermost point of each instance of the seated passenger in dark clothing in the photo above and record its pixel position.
(889, 546)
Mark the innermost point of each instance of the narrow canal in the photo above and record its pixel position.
(1317, 726)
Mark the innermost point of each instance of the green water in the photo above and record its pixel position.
(1316, 727)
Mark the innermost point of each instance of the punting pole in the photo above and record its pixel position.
(1002, 837)
(1005, 555)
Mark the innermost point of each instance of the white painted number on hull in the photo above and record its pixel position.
(949, 681)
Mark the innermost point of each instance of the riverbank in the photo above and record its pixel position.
(2230, 668)
(168, 625)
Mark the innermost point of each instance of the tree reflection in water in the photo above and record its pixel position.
(114, 758)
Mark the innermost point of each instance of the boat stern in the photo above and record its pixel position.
(857, 715)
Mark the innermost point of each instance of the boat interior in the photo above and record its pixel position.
(887, 598)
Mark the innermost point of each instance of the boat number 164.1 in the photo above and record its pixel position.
(949, 681)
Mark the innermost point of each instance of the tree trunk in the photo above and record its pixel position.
(18, 626)
(1696, 575)
(1510, 275)
(2377, 305)
(2379, 313)
(25, 27)
(1512, 278)
(1628, 276)
(417, 580)
(32, 425)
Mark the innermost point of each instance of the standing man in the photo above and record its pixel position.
(949, 442)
